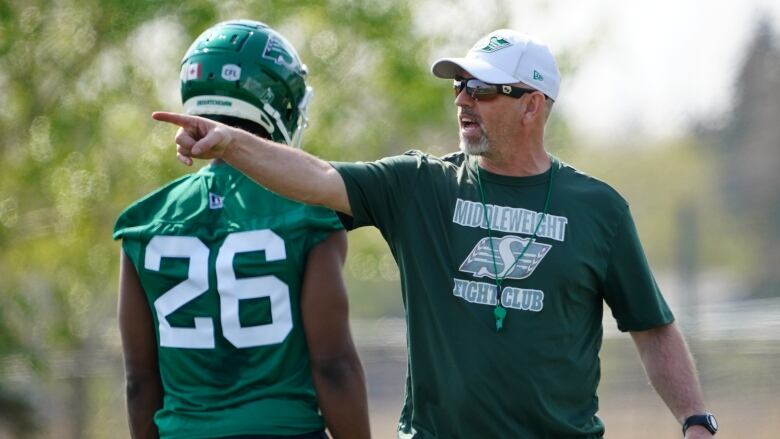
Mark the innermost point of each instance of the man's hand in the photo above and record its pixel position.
(287, 171)
(198, 137)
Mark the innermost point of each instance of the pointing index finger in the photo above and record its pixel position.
(181, 120)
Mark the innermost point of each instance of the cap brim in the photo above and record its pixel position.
(449, 68)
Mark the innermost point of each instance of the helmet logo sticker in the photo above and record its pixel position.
(193, 71)
(275, 51)
(231, 72)
(268, 96)
(265, 94)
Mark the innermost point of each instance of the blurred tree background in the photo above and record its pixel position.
(79, 79)
(749, 160)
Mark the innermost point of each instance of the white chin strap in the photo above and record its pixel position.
(270, 111)
(227, 106)
(268, 117)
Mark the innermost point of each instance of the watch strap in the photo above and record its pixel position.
(706, 420)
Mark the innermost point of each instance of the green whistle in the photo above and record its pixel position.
(499, 312)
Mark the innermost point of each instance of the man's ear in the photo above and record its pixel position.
(535, 107)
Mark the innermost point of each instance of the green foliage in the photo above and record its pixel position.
(17, 414)
(659, 181)
(77, 95)
(750, 140)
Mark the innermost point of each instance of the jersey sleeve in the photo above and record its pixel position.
(128, 224)
(630, 288)
(143, 215)
(130, 228)
(378, 190)
(322, 222)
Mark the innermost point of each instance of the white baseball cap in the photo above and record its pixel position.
(506, 56)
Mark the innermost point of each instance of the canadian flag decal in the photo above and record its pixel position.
(193, 71)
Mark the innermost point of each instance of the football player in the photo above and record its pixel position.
(232, 309)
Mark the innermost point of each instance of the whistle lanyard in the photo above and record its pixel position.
(499, 312)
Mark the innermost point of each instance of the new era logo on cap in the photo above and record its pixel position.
(506, 56)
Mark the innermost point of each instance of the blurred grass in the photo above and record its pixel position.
(739, 378)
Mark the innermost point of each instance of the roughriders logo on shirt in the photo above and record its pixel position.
(507, 249)
(479, 262)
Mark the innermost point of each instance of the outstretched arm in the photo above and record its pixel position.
(284, 170)
(670, 367)
(336, 370)
(136, 326)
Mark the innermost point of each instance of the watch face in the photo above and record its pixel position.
(712, 421)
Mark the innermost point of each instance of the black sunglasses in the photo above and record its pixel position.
(484, 91)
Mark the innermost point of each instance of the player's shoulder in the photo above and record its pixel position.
(319, 213)
(164, 204)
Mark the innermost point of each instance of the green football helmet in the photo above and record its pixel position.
(247, 70)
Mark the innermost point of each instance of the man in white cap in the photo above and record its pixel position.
(506, 257)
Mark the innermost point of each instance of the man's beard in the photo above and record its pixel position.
(474, 147)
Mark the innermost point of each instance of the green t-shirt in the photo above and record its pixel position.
(221, 261)
(537, 377)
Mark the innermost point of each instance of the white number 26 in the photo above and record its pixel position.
(231, 290)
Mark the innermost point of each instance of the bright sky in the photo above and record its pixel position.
(653, 65)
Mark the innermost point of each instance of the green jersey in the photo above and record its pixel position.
(537, 377)
(221, 261)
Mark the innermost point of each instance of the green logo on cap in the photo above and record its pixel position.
(494, 44)
(538, 76)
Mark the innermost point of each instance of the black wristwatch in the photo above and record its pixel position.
(707, 420)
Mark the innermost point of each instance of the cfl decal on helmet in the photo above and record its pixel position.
(275, 50)
(231, 72)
